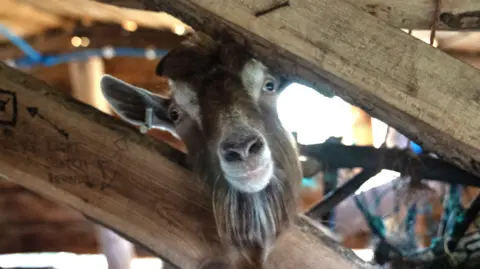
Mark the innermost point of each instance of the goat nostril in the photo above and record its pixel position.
(255, 146)
(237, 149)
(232, 156)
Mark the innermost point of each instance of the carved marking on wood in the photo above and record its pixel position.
(33, 111)
(8, 108)
(121, 143)
(71, 162)
(271, 9)
(463, 20)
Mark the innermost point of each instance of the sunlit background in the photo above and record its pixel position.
(316, 117)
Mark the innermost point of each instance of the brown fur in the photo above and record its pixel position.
(248, 223)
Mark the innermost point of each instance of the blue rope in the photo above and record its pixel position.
(50, 60)
(32, 57)
(410, 225)
(374, 222)
(416, 148)
(455, 207)
(20, 43)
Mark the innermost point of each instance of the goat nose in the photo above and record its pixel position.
(234, 150)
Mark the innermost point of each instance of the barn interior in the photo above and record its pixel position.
(71, 44)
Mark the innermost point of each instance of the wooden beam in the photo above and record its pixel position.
(74, 154)
(361, 127)
(424, 93)
(413, 14)
(49, 236)
(18, 205)
(420, 14)
(77, 237)
(31, 223)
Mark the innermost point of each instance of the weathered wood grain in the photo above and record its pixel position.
(420, 14)
(422, 92)
(406, 14)
(77, 237)
(128, 182)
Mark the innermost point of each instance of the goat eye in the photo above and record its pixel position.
(269, 86)
(174, 114)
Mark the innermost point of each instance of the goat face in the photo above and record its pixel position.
(223, 107)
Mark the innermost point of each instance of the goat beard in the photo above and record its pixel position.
(251, 222)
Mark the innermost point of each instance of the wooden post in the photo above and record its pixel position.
(362, 127)
(74, 154)
(118, 251)
(427, 95)
(85, 79)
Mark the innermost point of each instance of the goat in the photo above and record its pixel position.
(223, 107)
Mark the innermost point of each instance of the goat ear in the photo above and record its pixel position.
(131, 103)
(194, 55)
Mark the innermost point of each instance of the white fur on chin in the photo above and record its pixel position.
(253, 183)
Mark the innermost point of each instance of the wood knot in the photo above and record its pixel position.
(465, 20)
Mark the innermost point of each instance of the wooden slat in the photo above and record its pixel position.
(419, 14)
(129, 182)
(362, 127)
(424, 93)
(406, 14)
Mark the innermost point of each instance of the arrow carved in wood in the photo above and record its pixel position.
(33, 111)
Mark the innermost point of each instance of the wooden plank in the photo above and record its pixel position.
(65, 236)
(424, 93)
(129, 182)
(76, 237)
(362, 127)
(420, 14)
(413, 14)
